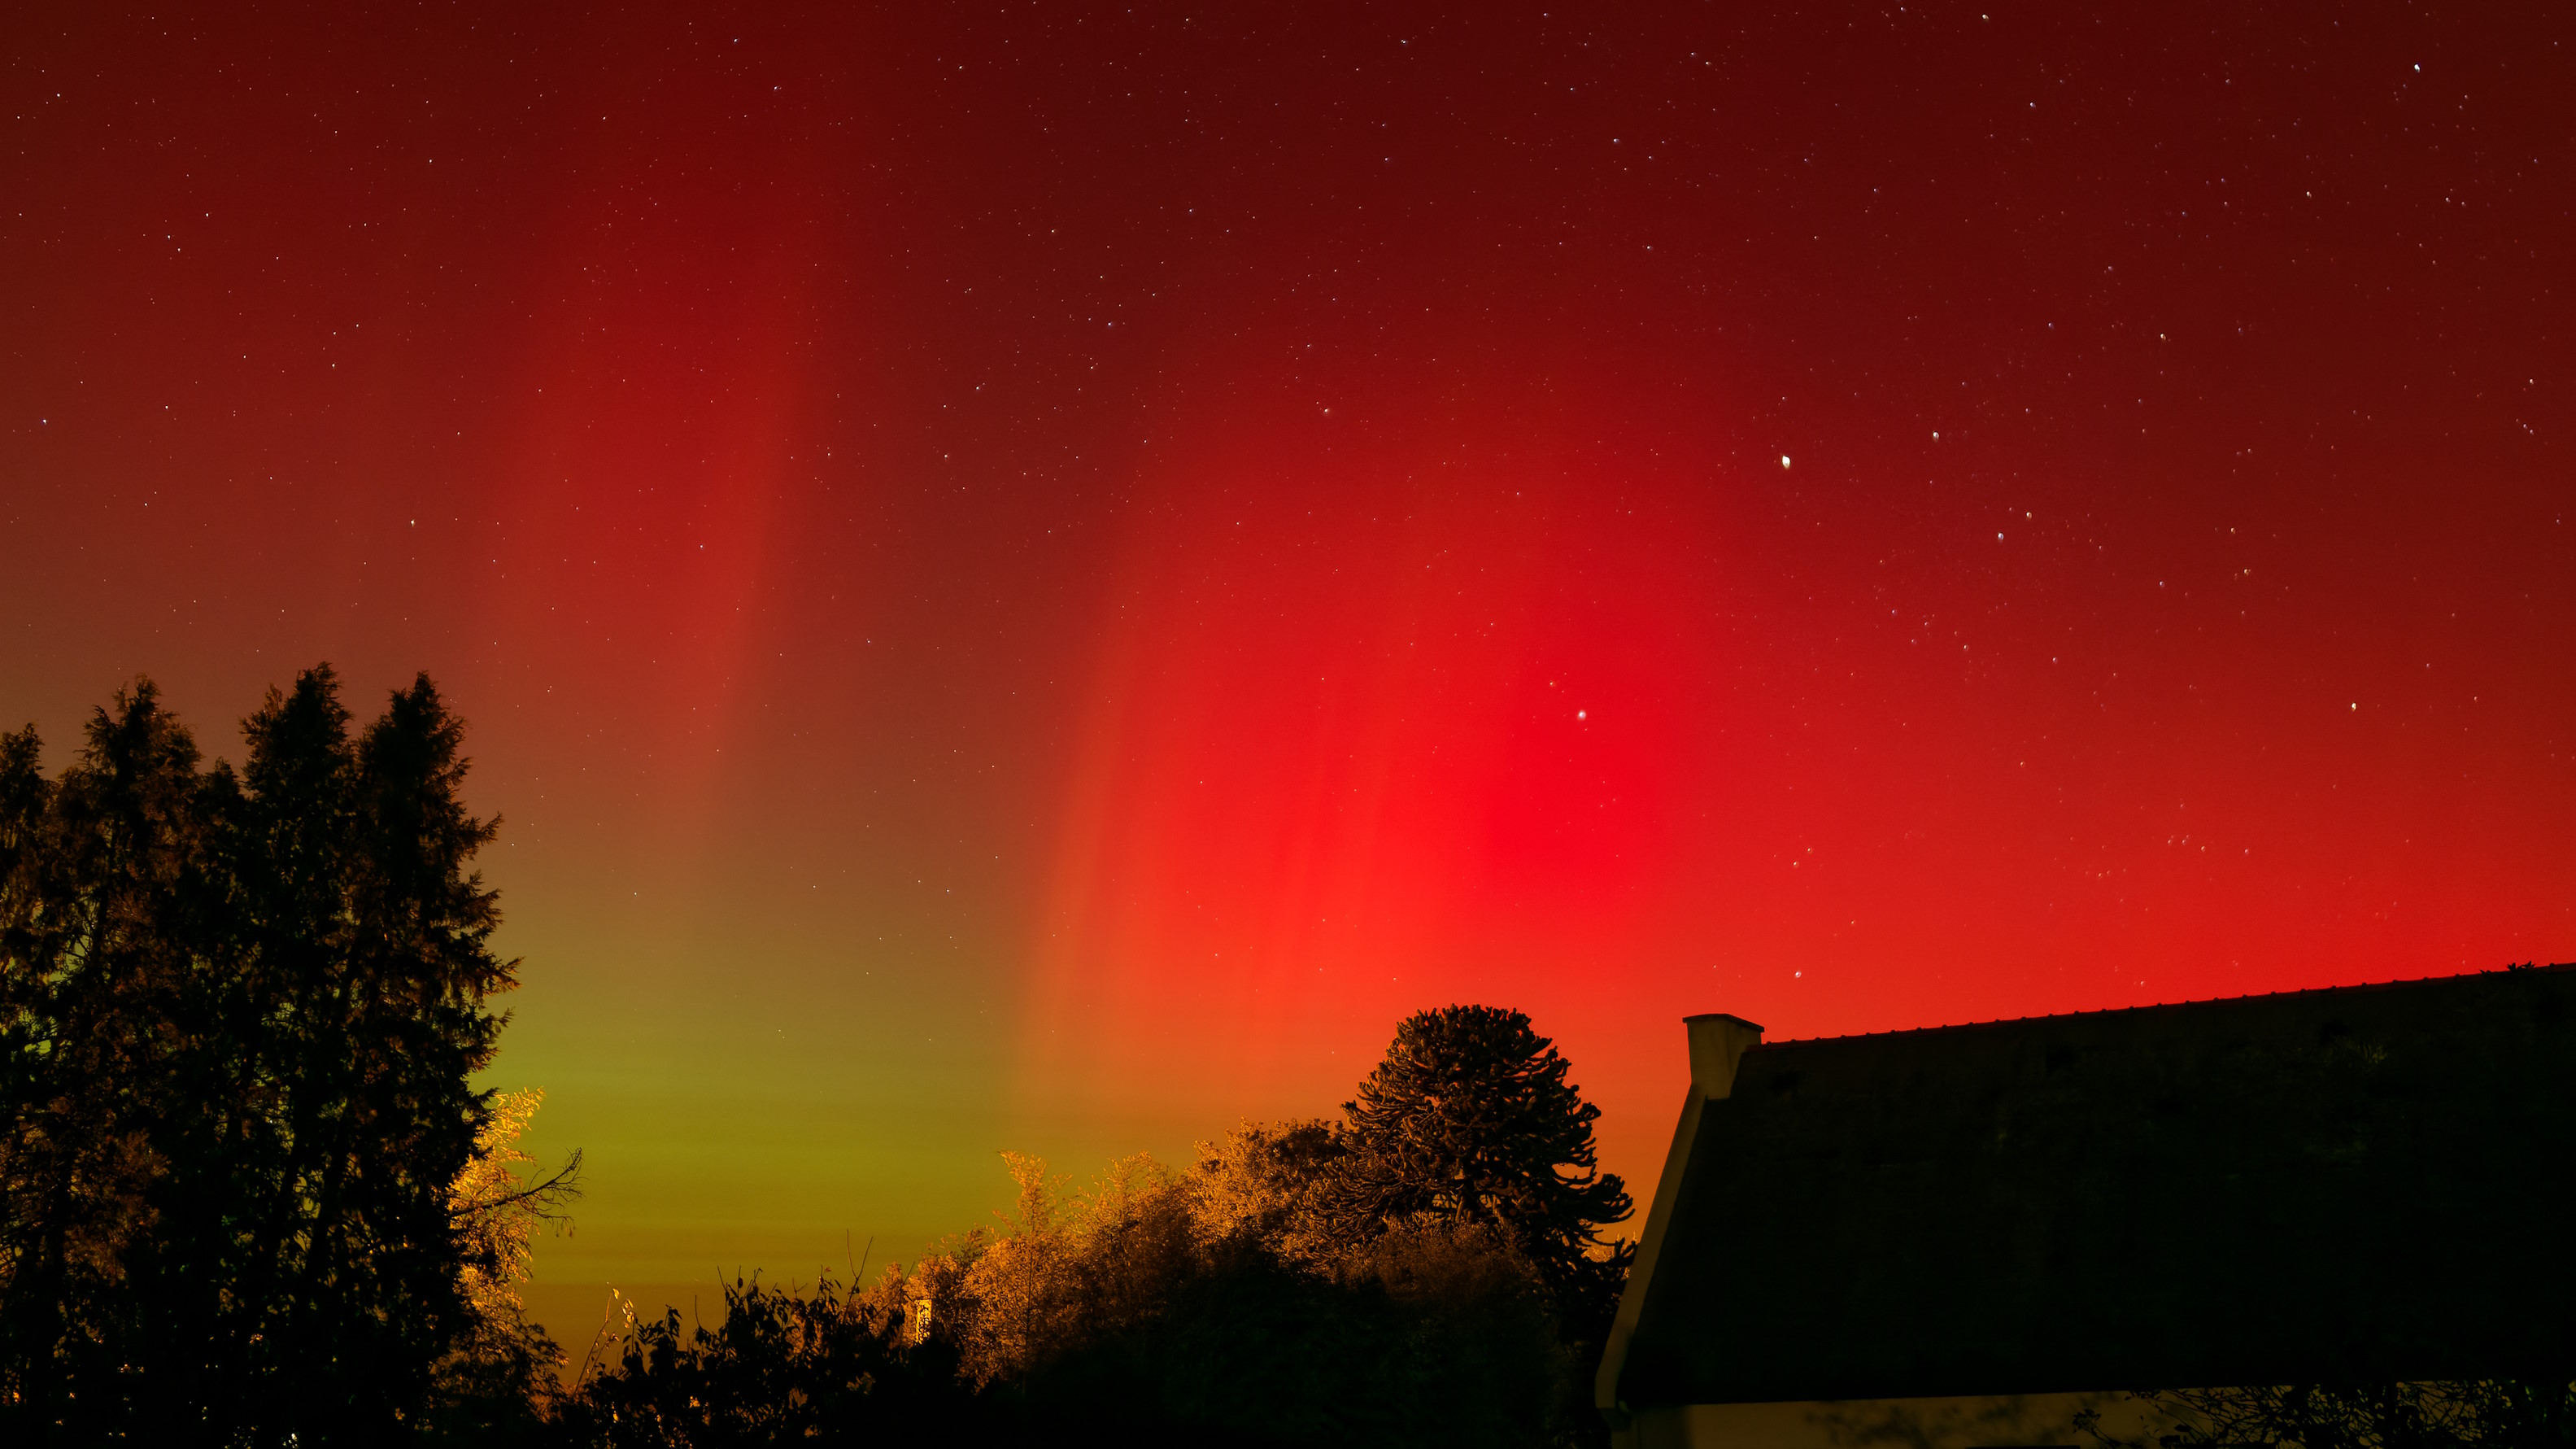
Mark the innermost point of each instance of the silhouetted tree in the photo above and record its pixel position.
(783, 1366)
(1271, 1183)
(496, 1379)
(1125, 1314)
(1376, 1283)
(239, 1015)
(1470, 1120)
(1428, 1334)
(110, 907)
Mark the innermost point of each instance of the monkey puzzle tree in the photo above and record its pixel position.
(1470, 1118)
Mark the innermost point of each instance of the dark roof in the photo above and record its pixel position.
(2363, 1181)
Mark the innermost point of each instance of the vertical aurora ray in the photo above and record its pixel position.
(1394, 703)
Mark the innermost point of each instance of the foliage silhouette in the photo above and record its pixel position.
(248, 1195)
(1470, 1119)
(238, 1014)
(1124, 1312)
(831, 1366)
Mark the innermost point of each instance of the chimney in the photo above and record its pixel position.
(1717, 1042)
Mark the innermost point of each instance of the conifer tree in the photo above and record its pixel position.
(111, 902)
(1470, 1118)
(238, 1020)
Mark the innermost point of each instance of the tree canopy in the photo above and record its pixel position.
(239, 1012)
(249, 1194)
(1470, 1118)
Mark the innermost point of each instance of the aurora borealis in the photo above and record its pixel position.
(1035, 576)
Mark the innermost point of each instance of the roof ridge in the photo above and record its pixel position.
(2357, 986)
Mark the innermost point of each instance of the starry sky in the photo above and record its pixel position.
(1031, 576)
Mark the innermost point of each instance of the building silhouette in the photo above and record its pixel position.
(1969, 1234)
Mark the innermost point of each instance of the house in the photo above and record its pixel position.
(1965, 1235)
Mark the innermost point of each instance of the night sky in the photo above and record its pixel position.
(1035, 577)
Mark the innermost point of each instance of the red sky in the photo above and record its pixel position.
(1029, 576)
